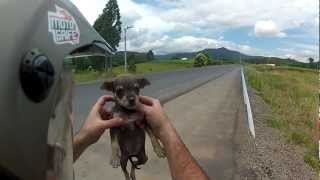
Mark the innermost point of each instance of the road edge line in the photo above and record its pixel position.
(247, 103)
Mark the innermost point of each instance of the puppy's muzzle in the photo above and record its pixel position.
(132, 101)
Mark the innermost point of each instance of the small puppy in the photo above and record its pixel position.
(128, 141)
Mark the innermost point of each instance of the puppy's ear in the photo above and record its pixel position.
(142, 81)
(108, 85)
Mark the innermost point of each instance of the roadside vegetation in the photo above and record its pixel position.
(291, 93)
(201, 60)
(93, 69)
(141, 68)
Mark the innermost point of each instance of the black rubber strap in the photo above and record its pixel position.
(133, 163)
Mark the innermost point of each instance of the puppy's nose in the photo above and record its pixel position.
(132, 100)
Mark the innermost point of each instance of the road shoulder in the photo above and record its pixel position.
(272, 157)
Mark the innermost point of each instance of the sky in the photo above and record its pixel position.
(281, 28)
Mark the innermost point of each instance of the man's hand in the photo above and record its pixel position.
(96, 123)
(182, 165)
(154, 114)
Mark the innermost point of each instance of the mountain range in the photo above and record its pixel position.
(224, 54)
(220, 54)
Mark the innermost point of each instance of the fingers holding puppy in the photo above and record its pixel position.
(98, 121)
(154, 113)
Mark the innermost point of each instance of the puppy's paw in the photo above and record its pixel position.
(115, 163)
(160, 152)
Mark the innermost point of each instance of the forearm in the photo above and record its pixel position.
(79, 145)
(182, 165)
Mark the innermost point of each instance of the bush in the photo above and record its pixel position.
(201, 60)
(132, 68)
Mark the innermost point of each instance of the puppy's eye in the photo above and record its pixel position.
(120, 92)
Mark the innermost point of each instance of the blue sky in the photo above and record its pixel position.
(282, 28)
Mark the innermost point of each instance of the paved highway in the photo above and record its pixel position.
(164, 85)
(209, 119)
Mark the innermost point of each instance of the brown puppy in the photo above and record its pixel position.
(128, 141)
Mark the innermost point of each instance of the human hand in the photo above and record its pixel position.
(98, 121)
(154, 114)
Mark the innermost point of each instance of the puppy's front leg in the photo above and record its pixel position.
(115, 148)
(155, 143)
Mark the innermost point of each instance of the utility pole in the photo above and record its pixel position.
(125, 47)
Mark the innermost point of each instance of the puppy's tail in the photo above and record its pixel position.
(133, 162)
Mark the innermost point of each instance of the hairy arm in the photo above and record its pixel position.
(79, 145)
(96, 123)
(182, 165)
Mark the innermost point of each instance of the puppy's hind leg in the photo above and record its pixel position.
(155, 143)
(123, 163)
(115, 148)
(132, 173)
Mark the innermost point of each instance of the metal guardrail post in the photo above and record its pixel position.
(247, 103)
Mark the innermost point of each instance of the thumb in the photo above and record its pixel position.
(114, 122)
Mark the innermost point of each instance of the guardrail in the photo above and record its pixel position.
(318, 122)
(247, 103)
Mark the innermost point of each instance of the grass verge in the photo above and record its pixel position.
(291, 93)
(156, 66)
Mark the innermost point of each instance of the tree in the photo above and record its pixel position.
(311, 60)
(206, 54)
(201, 60)
(132, 66)
(175, 57)
(150, 55)
(108, 24)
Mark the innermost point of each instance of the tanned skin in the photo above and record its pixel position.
(96, 123)
(182, 165)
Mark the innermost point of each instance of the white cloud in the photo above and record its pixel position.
(212, 15)
(178, 25)
(267, 29)
(89, 9)
(153, 24)
(301, 52)
(165, 44)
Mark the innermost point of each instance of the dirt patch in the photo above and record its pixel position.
(270, 156)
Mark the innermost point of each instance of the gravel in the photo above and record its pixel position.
(269, 156)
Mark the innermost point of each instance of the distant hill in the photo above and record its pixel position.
(219, 53)
(224, 54)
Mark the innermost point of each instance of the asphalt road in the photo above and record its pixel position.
(164, 86)
(207, 119)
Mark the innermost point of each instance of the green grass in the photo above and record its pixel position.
(91, 75)
(157, 66)
(291, 93)
(310, 158)
(276, 123)
(142, 68)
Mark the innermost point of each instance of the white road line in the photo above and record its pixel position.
(248, 106)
